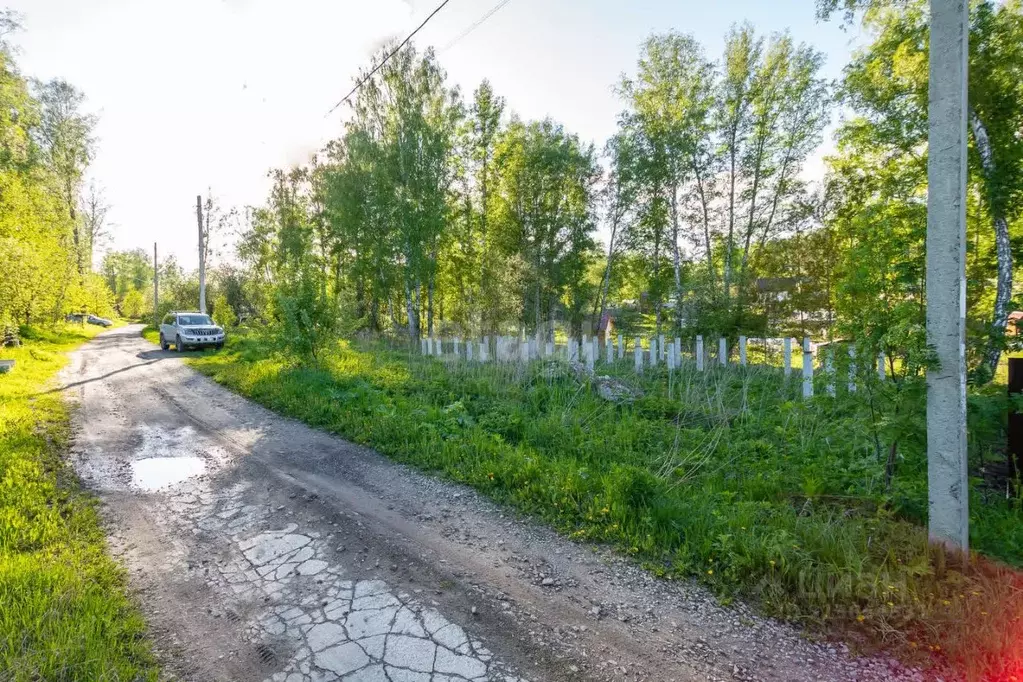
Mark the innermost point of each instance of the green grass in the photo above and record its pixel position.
(151, 334)
(64, 612)
(725, 475)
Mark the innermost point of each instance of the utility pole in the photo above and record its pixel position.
(156, 290)
(202, 255)
(947, 483)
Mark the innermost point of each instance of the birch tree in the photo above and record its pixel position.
(886, 84)
(65, 135)
(545, 212)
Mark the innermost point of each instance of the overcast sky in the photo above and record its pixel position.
(198, 94)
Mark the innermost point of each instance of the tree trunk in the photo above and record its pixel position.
(676, 257)
(76, 228)
(412, 311)
(1000, 314)
(429, 308)
(731, 218)
(605, 284)
(706, 223)
(889, 465)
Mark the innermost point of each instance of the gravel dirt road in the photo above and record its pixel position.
(263, 549)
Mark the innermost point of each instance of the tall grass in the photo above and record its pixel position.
(64, 614)
(726, 475)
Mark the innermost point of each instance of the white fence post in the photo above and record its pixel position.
(485, 349)
(653, 351)
(588, 355)
(723, 351)
(787, 367)
(621, 347)
(678, 352)
(637, 351)
(468, 350)
(609, 347)
(881, 369)
(457, 343)
(699, 353)
(572, 350)
(807, 369)
(742, 351)
(662, 351)
(524, 350)
(549, 349)
(852, 368)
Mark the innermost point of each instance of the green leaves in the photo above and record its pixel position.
(881, 172)
(544, 211)
(45, 144)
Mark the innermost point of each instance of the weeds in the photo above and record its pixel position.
(732, 478)
(64, 614)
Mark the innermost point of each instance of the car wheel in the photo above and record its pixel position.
(178, 345)
(163, 342)
(219, 346)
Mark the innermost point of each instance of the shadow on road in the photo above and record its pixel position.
(73, 384)
(156, 354)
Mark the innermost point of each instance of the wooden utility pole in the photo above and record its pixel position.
(202, 254)
(156, 290)
(947, 483)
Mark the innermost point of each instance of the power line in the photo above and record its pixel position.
(385, 59)
(492, 12)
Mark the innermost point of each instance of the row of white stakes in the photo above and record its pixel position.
(508, 348)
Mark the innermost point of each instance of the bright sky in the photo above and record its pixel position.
(198, 94)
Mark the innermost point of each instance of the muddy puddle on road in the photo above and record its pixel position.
(163, 459)
(156, 473)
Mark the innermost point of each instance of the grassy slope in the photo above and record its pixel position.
(64, 613)
(732, 479)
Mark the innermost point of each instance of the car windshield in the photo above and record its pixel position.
(190, 320)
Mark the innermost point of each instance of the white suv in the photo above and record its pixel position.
(190, 329)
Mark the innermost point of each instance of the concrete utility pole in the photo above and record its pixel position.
(202, 255)
(948, 490)
(156, 290)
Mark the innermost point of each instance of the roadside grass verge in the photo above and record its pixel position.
(724, 475)
(64, 613)
(151, 334)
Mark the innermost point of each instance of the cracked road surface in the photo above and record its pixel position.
(263, 549)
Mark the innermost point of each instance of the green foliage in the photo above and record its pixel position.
(65, 612)
(880, 173)
(307, 321)
(721, 147)
(45, 244)
(544, 212)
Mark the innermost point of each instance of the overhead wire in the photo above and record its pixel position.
(493, 10)
(385, 59)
